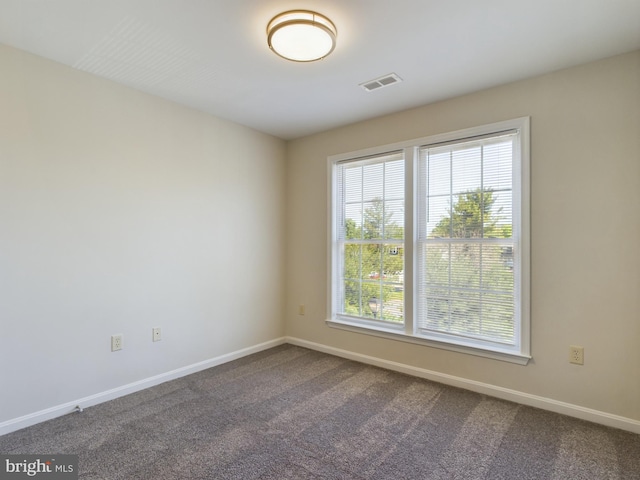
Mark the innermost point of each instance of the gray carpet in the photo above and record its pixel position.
(292, 413)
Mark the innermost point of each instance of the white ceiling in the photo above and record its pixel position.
(212, 55)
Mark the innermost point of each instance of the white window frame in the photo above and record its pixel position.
(408, 332)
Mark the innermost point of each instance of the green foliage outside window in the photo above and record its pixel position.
(469, 286)
(374, 270)
(466, 282)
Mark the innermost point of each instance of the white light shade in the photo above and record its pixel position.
(301, 35)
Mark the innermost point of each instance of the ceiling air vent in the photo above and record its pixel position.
(378, 83)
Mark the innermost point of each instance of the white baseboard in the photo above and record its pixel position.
(69, 407)
(543, 403)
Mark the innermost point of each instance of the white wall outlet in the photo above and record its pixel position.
(116, 342)
(300, 309)
(576, 354)
(156, 334)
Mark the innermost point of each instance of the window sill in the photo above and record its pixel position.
(398, 335)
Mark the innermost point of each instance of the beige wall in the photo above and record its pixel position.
(120, 212)
(585, 223)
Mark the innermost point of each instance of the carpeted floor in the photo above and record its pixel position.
(292, 413)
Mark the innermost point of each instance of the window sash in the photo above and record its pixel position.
(370, 242)
(465, 273)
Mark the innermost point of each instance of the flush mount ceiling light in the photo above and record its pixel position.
(301, 35)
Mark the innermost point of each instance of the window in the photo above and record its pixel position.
(370, 238)
(429, 241)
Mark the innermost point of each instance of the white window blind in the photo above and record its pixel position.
(467, 241)
(458, 277)
(370, 237)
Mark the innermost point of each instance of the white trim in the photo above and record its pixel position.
(377, 330)
(525, 236)
(544, 403)
(465, 133)
(69, 407)
(410, 252)
(523, 398)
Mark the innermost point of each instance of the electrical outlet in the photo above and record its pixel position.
(156, 334)
(116, 342)
(300, 309)
(576, 354)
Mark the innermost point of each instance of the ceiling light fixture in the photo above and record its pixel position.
(301, 35)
